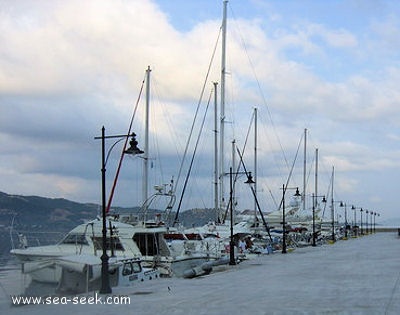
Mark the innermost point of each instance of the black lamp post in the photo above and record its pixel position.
(231, 241)
(133, 149)
(361, 222)
(370, 226)
(313, 217)
(284, 215)
(355, 220)
(345, 218)
(374, 221)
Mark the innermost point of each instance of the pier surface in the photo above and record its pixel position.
(354, 276)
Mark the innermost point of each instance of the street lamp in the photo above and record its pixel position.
(355, 220)
(345, 217)
(361, 223)
(370, 227)
(133, 150)
(374, 221)
(313, 217)
(283, 215)
(231, 242)
(366, 223)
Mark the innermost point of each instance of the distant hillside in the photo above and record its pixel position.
(58, 214)
(43, 213)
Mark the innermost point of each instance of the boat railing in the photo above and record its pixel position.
(25, 239)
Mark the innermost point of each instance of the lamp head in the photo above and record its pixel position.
(249, 179)
(133, 148)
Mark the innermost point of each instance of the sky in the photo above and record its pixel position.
(67, 68)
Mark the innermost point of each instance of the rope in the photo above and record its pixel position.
(192, 160)
(123, 150)
(192, 128)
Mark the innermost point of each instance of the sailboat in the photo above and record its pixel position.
(233, 226)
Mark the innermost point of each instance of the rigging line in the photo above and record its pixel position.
(261, 91)
(197, 109)
(291, 170)
(248, 132)
(309, 172)
(159, 165)
(124, 148)
(272, 196)
(238, 168)
(192, 160)
(255, 197)
(328, 196)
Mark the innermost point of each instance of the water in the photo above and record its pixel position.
(12, 281)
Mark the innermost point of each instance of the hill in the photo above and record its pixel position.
(58, 214)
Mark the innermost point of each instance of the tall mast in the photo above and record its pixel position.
(216, 199)
(234, 182)
(146, 142)
(332, 206)
(222, 114)
(255, 161)
(316, 173)
(303, 197)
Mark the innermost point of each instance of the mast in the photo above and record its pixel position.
(234, 167)
(303, 197)
(146, 143)
(216, 199)
(255, 161)
(316, 174)
(222, 114)
(332, 206)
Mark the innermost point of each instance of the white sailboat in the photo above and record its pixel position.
(233, 226)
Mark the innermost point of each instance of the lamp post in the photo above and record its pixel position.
(283, 216)
(133, 149)
(375, 214)
(355, 219)
(313, 217)
(345, 217)
(361, 222)
(370, 227)
(231, 241)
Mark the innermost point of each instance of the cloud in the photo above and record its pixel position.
(69, 67)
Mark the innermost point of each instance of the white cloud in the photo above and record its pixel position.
(68, 67)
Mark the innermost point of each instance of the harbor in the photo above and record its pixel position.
(355, 276)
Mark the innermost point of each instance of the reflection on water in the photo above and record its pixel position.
(12, 281)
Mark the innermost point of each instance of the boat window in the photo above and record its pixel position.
(148, 243)
(127, 270)
(116, 243)
(75, 239)
(136, 267)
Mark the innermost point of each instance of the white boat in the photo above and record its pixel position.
(85, 239)
(127, 241)
(82, 273)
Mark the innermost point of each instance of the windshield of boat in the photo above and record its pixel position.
(74, 238)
